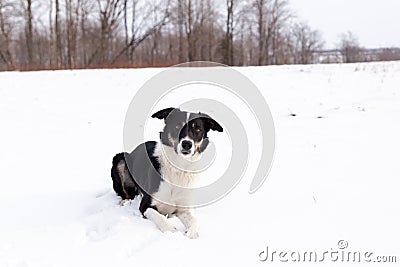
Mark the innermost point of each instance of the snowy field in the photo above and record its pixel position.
(335, 175)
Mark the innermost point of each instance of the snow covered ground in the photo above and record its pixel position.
(335, 175)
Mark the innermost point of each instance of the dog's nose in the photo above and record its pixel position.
(186, 145)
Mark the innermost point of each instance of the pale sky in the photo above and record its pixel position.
(376, 23)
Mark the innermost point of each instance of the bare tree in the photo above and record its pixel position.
(58, 36)
(109, 15)
(29, 31)
(280, 13)
(51, 36)
(180, 30)
(142, 29)
(271, 18)
(72, 12)
(306, 42)
(126, 23)
(261, 10)
(212, 29)
(350, 48)
(227, 45)
(189, 25)
(6, 13)
(83, 50)
(195, 24)
(389, 54)
(130, 10)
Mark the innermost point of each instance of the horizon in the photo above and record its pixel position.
(355, 16)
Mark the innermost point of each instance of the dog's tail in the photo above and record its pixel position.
(123, 183)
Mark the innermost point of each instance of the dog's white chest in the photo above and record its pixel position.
(172, 193)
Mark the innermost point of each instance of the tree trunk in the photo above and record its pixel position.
(189, 31)
(261, 31)
(58, 36)
(229, 34)
(6, 55)
(68, 14)
(84, 60)
(181, 57)
(126, 28)
(29, 33)
(51, 52)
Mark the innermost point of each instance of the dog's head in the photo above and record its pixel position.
(186, 132)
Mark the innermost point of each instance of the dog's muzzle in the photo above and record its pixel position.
(186, 147)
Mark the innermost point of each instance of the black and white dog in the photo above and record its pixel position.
(153, 166)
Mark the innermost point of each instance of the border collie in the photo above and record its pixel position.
(151, 168)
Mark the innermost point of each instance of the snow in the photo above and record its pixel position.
(334, 177)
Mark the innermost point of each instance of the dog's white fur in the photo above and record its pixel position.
(171, 188)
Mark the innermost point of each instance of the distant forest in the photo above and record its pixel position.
(69, 34)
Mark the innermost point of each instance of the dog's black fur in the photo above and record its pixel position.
(126, 186)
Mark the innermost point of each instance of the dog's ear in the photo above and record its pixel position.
(211, 124)
(162, 114)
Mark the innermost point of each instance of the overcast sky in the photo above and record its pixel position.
(376, 23)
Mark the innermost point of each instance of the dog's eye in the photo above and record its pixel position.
(198, 130)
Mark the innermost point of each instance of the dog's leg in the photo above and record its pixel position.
(190, 222)
(159, 220)
(123, 201)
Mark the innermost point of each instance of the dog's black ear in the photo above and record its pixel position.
(211, 124)
(162, 114)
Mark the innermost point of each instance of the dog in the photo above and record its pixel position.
(150, 169)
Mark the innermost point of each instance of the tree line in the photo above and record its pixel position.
(64, 34)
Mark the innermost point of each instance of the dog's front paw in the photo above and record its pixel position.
(171, 229)
(123, 202)
(192, 234)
